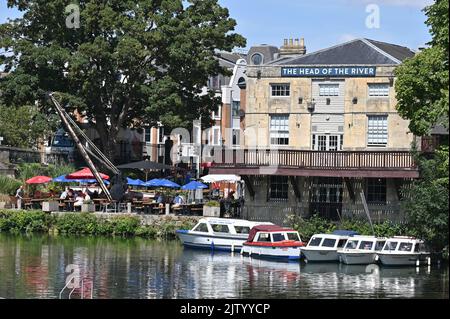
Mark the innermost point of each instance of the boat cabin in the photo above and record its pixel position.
(370, 243)
(225, 226)
(403, 244)
(263, 234)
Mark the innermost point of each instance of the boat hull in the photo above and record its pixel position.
(320, 255)
(213, 242)
(357, 258)
(394, 259)
(288, 253)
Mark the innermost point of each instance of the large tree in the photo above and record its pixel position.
(128, 62)
(422, 93)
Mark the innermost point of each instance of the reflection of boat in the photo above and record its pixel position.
(272, 241)
(361, 250)
(324, 247)
(218, 233)
(403, 251)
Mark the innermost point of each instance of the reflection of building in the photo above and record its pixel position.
(331, 117)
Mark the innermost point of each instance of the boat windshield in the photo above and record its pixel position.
(202, 227)
(366, 245)
(390, 245)
(293, 236)
(351, 244)
(405, 247)
(277, 237)
(328, 242)
(315, 241)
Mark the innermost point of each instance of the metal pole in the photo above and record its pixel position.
(366, 209)
(81, 148)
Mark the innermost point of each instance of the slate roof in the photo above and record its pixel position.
(358, 51)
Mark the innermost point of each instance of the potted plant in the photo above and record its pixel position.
(211, 209)
(88, 206)
(50, 206)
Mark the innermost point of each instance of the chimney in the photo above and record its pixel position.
(293, 47)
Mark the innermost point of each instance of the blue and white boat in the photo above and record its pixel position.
(218, 233)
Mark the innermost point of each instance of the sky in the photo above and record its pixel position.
(322, 23)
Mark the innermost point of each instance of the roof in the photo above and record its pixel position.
(358, 51)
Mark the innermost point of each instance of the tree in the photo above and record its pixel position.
(24, 126)
(128, 62)
(422, 94)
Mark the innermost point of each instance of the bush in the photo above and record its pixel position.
(125, 225)
(8, 186)
(212, 203)
(25, 221)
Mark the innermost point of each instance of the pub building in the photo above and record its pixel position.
(321, 130)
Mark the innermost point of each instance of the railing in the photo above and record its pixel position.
(16, 155)
(315, 159)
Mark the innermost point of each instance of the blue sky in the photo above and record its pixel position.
(322, 23)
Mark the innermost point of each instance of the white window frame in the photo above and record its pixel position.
(329, 89)
(211, 136)
(281, 88)
(315, 141)
(217, 115)
(377, 130)
(279, 128)
(378, 89)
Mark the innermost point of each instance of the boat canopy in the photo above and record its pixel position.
(267, 228)
(341, 232)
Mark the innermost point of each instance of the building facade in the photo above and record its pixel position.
(320, 130)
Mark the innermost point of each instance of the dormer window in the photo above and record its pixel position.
(257, 59)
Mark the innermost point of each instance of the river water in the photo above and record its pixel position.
(35, 267)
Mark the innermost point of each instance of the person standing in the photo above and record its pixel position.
(19, 196)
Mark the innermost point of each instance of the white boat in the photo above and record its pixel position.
(272, 241)
(218, 233)
(361, 250)
(325, 247)
(403, 251)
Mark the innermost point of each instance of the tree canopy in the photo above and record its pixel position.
(128, 63)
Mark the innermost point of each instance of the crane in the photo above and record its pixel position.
(118, 183)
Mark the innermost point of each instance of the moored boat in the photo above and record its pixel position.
(325, 247)
(218, 233)
(404, 251)
(272, 241)
(361, 250)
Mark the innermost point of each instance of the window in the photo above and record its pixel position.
(161, 134)
(329, 89)
(257, 59)
(376, 190)
(215, 136)
(366, 245)
(279, 130)
(391, 245)
(315, 241)
(202, 227)
(351, 244)
(379, 246)
(278, 188)
(293, 236)
(277, 237)
(379, 89)
(236, 137)
(217, 114)
(242, 229)
(147, 134)
(341, 243)
(264, 237)
(280, 90)
(327, 142)
(405, 247)
(377, 133)
(235, 106)
(218, 228)
(327, 242)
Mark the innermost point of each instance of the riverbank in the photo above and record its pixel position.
(151, 227)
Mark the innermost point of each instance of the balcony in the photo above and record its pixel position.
(379, 164)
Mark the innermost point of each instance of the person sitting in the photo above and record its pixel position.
(178, 201)
(64, 194)
(79, 199)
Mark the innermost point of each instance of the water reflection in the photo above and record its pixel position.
(34, 267)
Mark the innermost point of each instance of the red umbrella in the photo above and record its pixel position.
(38, 180)
(85, 173)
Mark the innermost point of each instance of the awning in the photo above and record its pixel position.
(213, 178)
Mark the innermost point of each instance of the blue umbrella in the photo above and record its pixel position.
(134, 182)
(193, 186)
(152, 183)
(161, 183)
(63, 179)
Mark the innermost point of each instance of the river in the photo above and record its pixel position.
(35, 267)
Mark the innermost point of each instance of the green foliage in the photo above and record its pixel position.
(147, 60)
(212, 203)
(308, 227)
(422, 81)
(24, 126)
(90, 224)
(8, 185)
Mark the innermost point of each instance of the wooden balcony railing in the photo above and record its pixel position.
(227, 159)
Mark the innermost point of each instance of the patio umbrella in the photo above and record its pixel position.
(193, 186)
(39, 180)
(212, 178)
(146, 166)
(161, 183)
(63, 179)
(85, 173)
(134, 182)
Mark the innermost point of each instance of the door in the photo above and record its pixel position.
(327, 142)
(326, 197)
